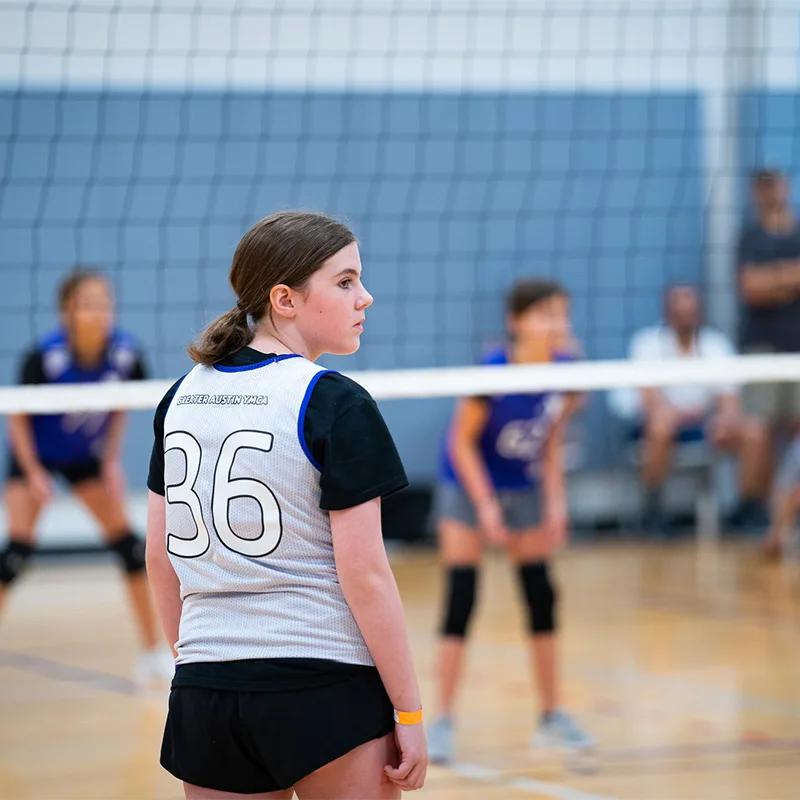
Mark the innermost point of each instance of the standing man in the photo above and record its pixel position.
(769, 289)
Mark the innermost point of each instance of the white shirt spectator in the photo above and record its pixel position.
(661, 342)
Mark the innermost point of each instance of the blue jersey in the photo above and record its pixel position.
(512, 443)
(74, 438)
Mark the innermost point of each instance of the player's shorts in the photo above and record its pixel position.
(264, 741)
(774, 402)
(522, 508)
(73, 473)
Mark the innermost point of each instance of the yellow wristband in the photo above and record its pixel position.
(407, 717)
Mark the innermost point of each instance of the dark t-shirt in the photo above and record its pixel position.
(771, 328)
(346, 434)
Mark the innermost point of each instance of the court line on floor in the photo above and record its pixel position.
(742, 746)
(763, 744)
(505, 778)
(496, 777)
(91, 678)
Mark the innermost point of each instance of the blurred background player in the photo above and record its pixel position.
(502, 482)
(664, 417)
(83, 449)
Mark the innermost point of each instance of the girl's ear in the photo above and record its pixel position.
(282, 299)
(511, 325)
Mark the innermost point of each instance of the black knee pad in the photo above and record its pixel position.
(460, 598)
(12, 560)
(130, 550)
(540, 595)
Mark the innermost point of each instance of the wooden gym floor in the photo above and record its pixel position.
(684, 663)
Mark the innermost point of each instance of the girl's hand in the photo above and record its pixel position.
(410, 775)
(39, 485)
(492, 524)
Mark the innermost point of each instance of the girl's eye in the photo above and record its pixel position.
(345, 283)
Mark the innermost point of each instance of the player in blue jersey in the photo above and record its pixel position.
(82, 449)
(502, 482)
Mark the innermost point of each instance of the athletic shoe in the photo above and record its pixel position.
(440, 741)
(559, 729)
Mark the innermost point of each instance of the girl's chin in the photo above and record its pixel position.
(346, 348)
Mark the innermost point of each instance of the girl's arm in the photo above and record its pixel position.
(23, 445)
(371, 592)
(163, 580)
(465, 433)
(468, 426)
(116, 432)
(554, 492)
(112, 470)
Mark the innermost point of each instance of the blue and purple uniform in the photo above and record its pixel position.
(64, 439)
(512, 443)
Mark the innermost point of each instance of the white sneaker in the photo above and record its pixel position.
(154, 665)
(440, 741)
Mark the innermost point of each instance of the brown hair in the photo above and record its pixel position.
(766, 176)
(283, 248)
(77, 276)
(529, 292)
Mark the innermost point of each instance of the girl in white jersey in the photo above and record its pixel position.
(264, 541)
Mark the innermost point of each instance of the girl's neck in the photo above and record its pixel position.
(281, 343)
(88, 354)
(533, 352)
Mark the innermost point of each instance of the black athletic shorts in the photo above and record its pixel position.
(72, 473)
(267, 740)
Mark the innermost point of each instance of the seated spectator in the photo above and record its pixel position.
(663, 416)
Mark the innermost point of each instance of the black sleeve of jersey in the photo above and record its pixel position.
(139, 371)
(155, 478)
(346, 434)
(31, 369)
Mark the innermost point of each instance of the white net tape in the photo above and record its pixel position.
(443, 382)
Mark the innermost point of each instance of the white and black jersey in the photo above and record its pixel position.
(251, 455)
